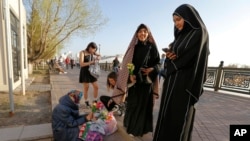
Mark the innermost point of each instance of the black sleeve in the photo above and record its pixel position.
(184, 60)
(154, 62)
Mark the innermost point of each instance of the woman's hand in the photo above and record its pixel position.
(98, 57)
(90, 116)
(91, 62)
(146, 71)
(132, 78)
(155, 97)
(110, 101)
(171, 55)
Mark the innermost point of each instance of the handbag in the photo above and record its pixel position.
(95, 69)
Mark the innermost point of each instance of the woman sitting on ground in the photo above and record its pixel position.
(111, 81)
(66, 118)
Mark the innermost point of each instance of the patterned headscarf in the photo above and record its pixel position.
(77, 95)
(121, 84)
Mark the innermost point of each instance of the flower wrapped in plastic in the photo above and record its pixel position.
(99, 110)
(131, 68)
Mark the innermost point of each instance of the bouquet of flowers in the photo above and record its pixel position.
(100, 112)
(131, 68)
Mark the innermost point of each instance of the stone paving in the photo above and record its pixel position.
(34, 87)
(214, 112)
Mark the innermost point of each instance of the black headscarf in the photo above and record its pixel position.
(191, 17)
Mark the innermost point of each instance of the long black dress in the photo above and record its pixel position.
(138, 118)
(184, 81)
(85, 76)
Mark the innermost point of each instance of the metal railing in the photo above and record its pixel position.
(231, 79)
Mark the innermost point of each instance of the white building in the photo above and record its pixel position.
(13, 44)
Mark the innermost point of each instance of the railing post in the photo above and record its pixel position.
(218, 78)
(106, 65)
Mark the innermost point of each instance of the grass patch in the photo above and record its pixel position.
(41, 71)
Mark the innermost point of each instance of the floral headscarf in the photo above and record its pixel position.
(77, 95)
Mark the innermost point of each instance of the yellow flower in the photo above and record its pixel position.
(131, 68)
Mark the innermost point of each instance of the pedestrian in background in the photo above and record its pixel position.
(162, 62)
(67, 61)
(185, 76)
(72, 63)
(116, 64)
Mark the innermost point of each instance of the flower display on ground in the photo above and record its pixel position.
(100, 112)
(104, 123)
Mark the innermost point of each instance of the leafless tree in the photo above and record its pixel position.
(52, 22)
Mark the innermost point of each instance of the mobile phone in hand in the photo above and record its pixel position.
(165, 49)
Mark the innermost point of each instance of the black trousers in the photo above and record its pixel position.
(105, 99)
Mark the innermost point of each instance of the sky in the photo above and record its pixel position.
(227, 22)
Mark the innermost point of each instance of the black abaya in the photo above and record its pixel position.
(138, 118)
(184, 78)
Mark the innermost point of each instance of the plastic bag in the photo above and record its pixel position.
(95, 70)
(110, 126)
(84, 129)
(94, 136)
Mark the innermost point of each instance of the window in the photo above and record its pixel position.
(15, 47)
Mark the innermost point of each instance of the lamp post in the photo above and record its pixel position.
(99, 48)
(9, 54)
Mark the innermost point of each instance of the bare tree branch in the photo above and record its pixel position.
(51, 22)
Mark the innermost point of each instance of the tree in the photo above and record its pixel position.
(233, 66)
(52, 22)
(245, 66)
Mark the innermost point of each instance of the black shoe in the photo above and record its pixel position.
(95, 101)
(87, 104)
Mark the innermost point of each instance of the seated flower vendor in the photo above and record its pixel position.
(66, 119)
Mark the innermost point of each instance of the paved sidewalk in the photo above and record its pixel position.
(215, 112)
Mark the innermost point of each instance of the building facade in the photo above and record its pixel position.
(13, 44)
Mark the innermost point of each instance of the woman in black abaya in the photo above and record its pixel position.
(185, 76)
(139, 112)
(143, 53)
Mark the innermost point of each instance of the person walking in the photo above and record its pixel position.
(116, 64)
(162, 62)
(72, 63)
(185, 76)
(86, 59)
(67, 61)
